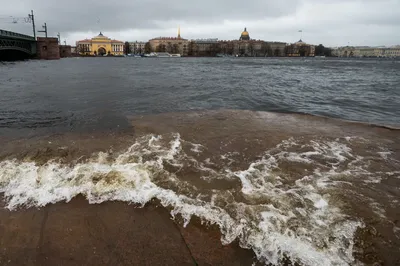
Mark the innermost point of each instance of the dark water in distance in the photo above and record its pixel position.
(81, 94)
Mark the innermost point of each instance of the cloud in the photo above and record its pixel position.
(340, 22)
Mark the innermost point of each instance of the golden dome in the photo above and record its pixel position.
(244, 36)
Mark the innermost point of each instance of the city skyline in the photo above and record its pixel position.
(332, 24)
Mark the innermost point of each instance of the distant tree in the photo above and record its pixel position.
(147, 48)
(327, 51)
(127, 48)
(277, 52)
(320, 50)
(82, 49)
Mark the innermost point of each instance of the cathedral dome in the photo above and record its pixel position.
(245, 35)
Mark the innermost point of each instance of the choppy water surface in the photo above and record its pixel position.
(83, 94)
(314, 190)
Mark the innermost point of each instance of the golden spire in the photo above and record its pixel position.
(179, 32)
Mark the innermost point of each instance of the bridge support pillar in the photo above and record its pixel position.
(47, 48)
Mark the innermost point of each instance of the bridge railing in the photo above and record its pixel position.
(6, 33)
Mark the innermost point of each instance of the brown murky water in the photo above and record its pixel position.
(315, 190)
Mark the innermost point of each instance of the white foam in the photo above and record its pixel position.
(323, 220)
(321, 203)
(385, 154)
(197, 148)
(378, 209)
(299, 220)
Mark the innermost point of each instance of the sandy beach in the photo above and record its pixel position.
(261, 178)
(112, 233)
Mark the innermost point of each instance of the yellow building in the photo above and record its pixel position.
(100, 45)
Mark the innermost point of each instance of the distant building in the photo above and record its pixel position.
(244, 36)
(276, 48)
(100, 45)
(172, 45)
(249, 47)
(204, 47)
(366, 51)
(391, 52)
(347, 51)
(300, 48)
(48, 48)
(246, 46)
(65, 51)
(137, 47)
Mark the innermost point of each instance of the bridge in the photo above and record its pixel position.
(14, 46)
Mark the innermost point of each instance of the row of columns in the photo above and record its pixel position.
(114, 47)
(117, 47)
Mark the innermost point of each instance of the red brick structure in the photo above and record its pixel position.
(48, 48)
(65, 51)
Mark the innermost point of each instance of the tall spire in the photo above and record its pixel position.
(179, 32)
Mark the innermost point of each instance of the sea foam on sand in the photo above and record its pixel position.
(278, 217)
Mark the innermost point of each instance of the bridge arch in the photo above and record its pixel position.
(15, 46)
(14, 53)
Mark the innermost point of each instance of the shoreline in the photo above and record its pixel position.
(203, 136)
(111, 233)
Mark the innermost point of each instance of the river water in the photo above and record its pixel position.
(263, 148)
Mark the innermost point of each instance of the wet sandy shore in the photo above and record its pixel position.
(112, 233)
(115, 233)
(225, 130)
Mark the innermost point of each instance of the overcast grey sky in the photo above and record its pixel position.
(330, 22)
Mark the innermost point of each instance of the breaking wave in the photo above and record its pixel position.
(284, 204)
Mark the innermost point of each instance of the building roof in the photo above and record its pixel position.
(102, 38)
(300, 42)
(168, 38)
(211, 40)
